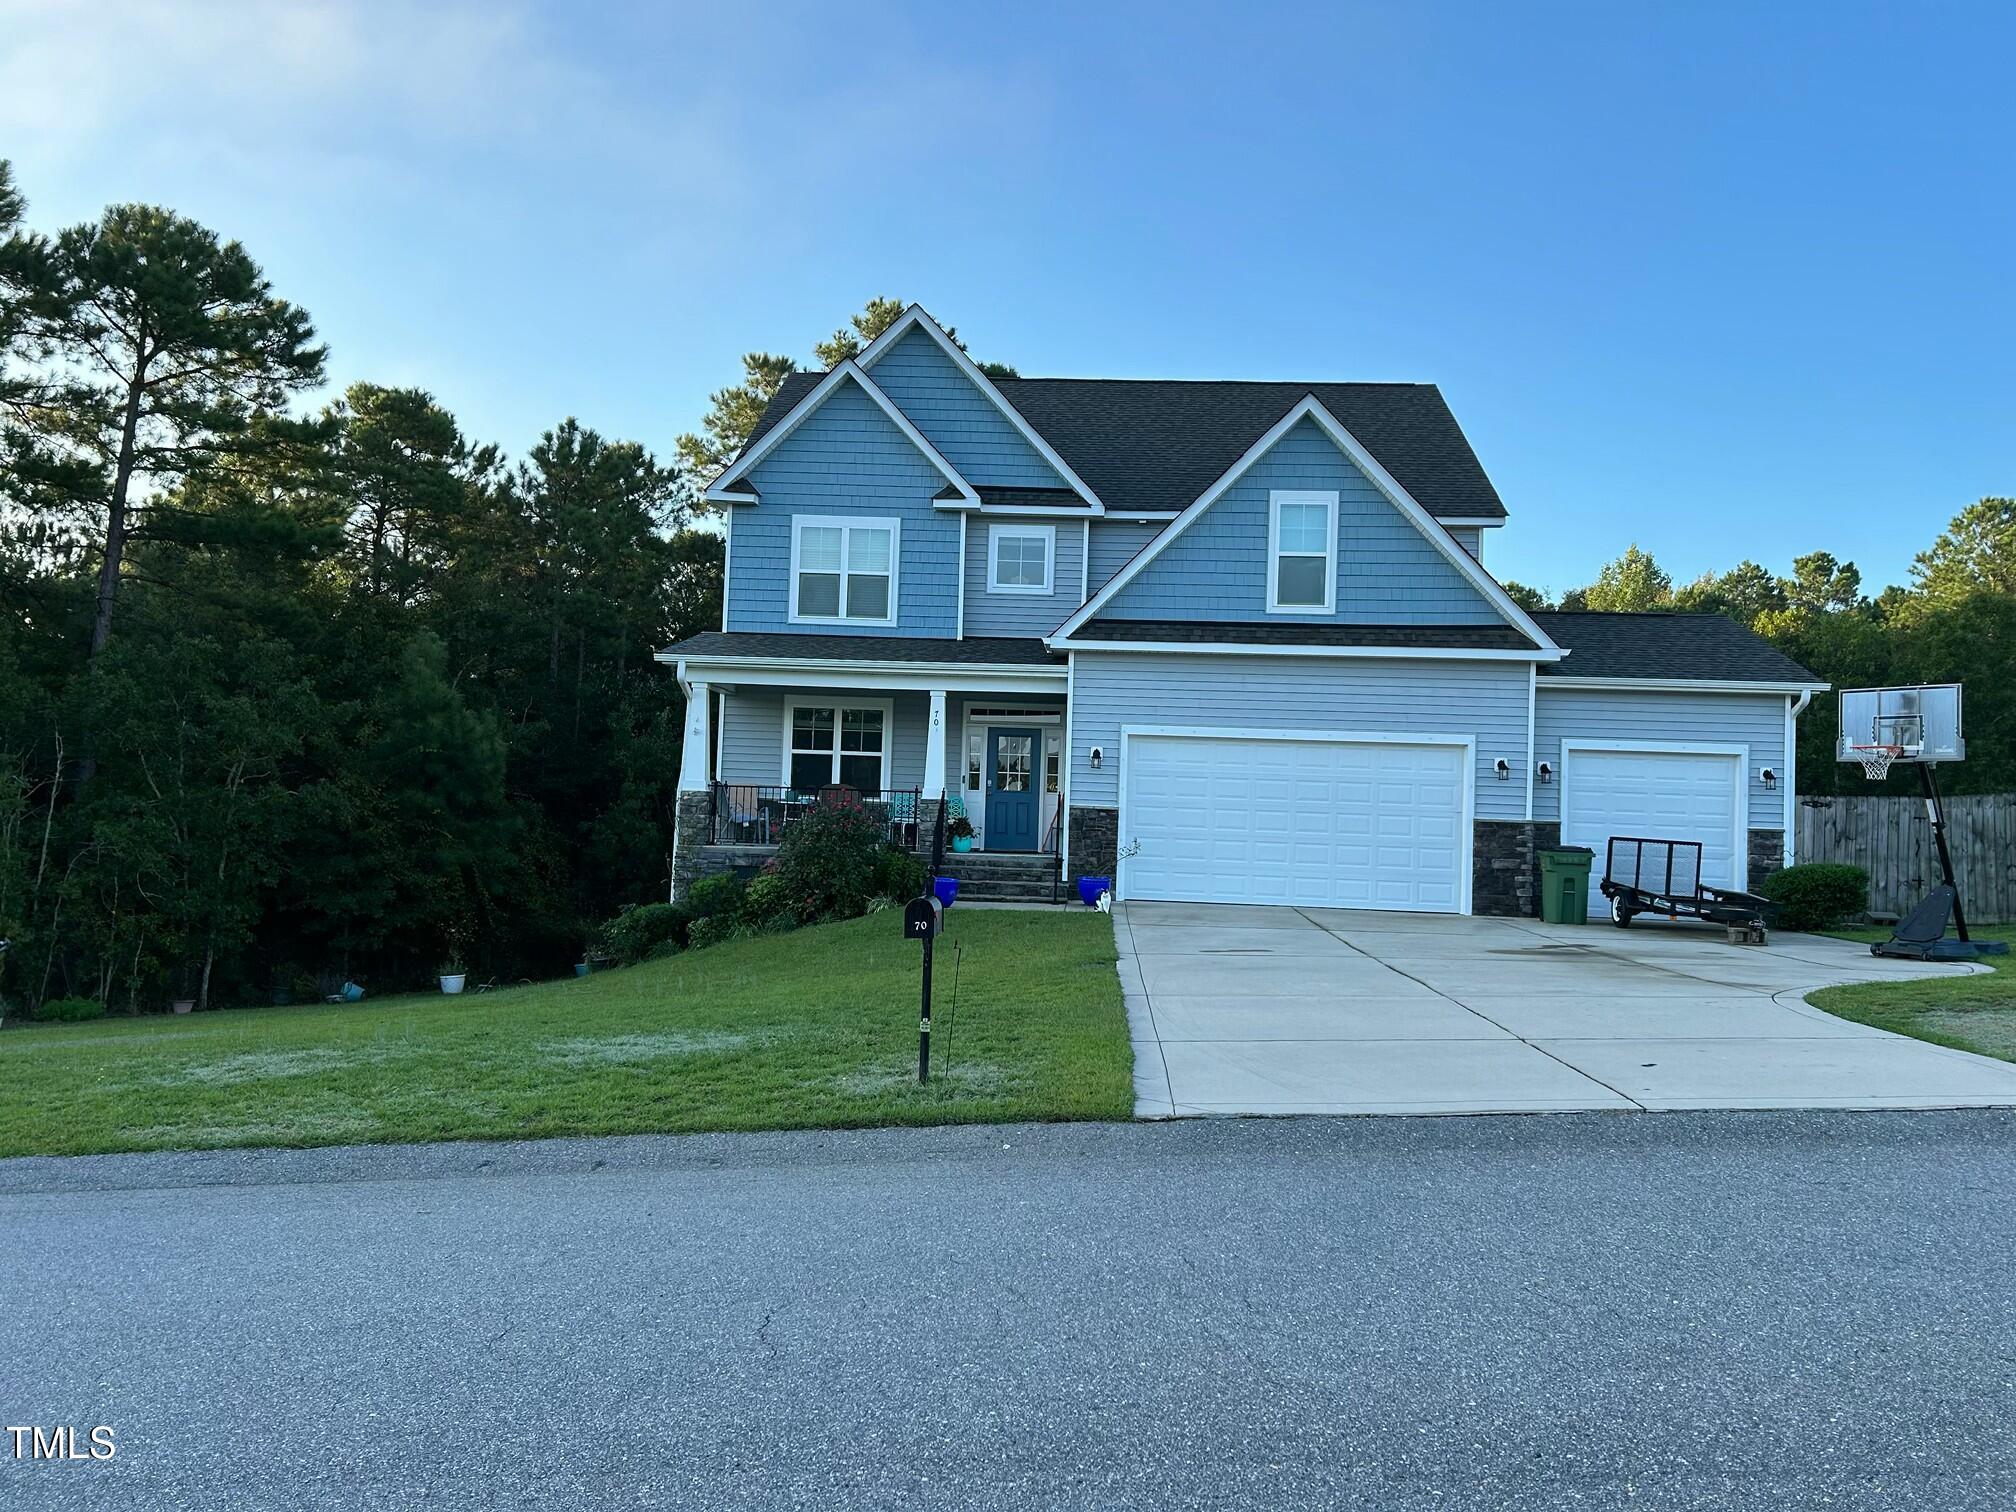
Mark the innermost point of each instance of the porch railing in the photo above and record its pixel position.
(746, 813)
(1053, 848)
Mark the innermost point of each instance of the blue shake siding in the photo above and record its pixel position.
(847, 458)
(960, 421)
(1116, 542)
(1387, 572)
(1486, 700)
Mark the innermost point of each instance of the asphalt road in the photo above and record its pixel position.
(1684, 1310)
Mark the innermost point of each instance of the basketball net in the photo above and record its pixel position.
(1876, 759)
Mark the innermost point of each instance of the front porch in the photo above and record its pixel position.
(764, 744)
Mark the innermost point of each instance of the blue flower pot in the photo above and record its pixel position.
(947, 889)
(1089, 889)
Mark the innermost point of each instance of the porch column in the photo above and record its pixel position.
(699, 738)
(934, 749)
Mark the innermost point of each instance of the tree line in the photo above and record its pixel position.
(296, 690)
(1954, 622)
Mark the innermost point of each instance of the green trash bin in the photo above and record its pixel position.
(1564, 884)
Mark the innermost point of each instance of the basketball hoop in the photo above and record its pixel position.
(1876, 759)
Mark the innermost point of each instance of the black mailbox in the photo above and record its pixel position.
(922, 918)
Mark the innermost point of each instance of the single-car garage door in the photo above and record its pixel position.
(1661, 795)
(1323, 823)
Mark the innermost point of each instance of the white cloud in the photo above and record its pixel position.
(72, 73)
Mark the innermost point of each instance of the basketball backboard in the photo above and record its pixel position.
(1922, 721)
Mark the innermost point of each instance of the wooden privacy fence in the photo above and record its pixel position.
(1891, 839)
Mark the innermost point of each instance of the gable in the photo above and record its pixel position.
(846, 457)
(1388, 572)
(963, 423)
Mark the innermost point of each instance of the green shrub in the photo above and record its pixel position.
(637, 933)
(712, 930)
(1818, 895)
(70, 1010)
(712, 896)
(766, 901)
(899, 876)
(827, 862)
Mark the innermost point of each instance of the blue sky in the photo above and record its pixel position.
(1724, 281)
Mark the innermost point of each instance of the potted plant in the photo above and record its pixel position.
(961, 831)
(453, 974)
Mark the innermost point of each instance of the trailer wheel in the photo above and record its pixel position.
(1620, 915)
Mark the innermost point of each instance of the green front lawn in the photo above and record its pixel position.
(1975, 1013)
(816, 1029)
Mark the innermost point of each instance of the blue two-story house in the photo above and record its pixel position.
(1223, 642)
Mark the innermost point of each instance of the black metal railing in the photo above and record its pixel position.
(1053, 847)
(748, 813)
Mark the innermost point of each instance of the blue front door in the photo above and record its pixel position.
(1014, 757)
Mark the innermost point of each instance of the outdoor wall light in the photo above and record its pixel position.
(1769, 778)
(1503, 768)
(1098, 758)
(1545, 772)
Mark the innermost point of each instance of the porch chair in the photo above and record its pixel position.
(747, 814)
(903, 818)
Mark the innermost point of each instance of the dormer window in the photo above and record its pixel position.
(843, 570)
(1301, 551)
(1020, 558)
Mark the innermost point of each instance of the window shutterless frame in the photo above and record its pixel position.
(1012, 558)
(844, 548)
(836, 746)
(1301, 551)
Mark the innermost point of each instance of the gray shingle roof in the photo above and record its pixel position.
(1031, 498)
(977, 651)
(1685, 647)
(1400, 637)
(1153, 445)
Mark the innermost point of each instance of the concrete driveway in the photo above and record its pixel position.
(1242, 1010)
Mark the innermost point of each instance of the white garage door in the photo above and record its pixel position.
(1662, 795)
(1314, 822)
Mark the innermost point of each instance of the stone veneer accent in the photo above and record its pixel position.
(1095, 842)
(693, 858)
(1505, 866)
(1767, 855)
(689, 859)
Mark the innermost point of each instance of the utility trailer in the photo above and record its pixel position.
(1663, 877)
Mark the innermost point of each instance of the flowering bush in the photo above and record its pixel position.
(826, 866)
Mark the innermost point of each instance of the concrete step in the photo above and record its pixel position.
(998, 865)
(985, 890)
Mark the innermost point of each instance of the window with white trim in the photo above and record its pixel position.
(836, 743)
(1301, 551)
(844, 570)
(1021, 558)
